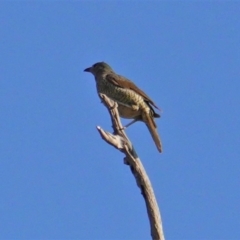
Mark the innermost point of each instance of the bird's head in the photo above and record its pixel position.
(98, 67)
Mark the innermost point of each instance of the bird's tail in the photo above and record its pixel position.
(152, 127)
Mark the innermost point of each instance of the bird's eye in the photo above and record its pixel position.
(95, 65)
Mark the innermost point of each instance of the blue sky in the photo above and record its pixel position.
(59, 180)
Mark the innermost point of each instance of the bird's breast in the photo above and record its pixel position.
(126, 99)
(121, 95)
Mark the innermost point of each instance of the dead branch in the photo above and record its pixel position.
(120, 141)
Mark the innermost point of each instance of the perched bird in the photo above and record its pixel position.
(133, 103)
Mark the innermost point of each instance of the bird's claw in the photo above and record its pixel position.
(122, 128)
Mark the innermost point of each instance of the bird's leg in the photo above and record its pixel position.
(129, 124)
(136, 108)
(132, 122)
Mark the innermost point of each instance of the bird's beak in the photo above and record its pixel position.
(87, 69)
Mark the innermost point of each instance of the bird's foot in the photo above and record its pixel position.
(123, 128)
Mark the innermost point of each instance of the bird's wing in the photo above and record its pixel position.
(123, 82)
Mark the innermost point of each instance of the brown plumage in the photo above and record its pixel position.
(133, 103)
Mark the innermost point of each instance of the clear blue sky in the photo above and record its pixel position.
(58, 179)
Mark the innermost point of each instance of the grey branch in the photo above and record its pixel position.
(120, 141)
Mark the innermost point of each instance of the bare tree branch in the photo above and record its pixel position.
(120, 141)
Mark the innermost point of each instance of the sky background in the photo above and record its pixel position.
(59, 179)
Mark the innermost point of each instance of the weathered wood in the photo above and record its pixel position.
(120, 141)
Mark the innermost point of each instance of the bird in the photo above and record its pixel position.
(133, 103)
